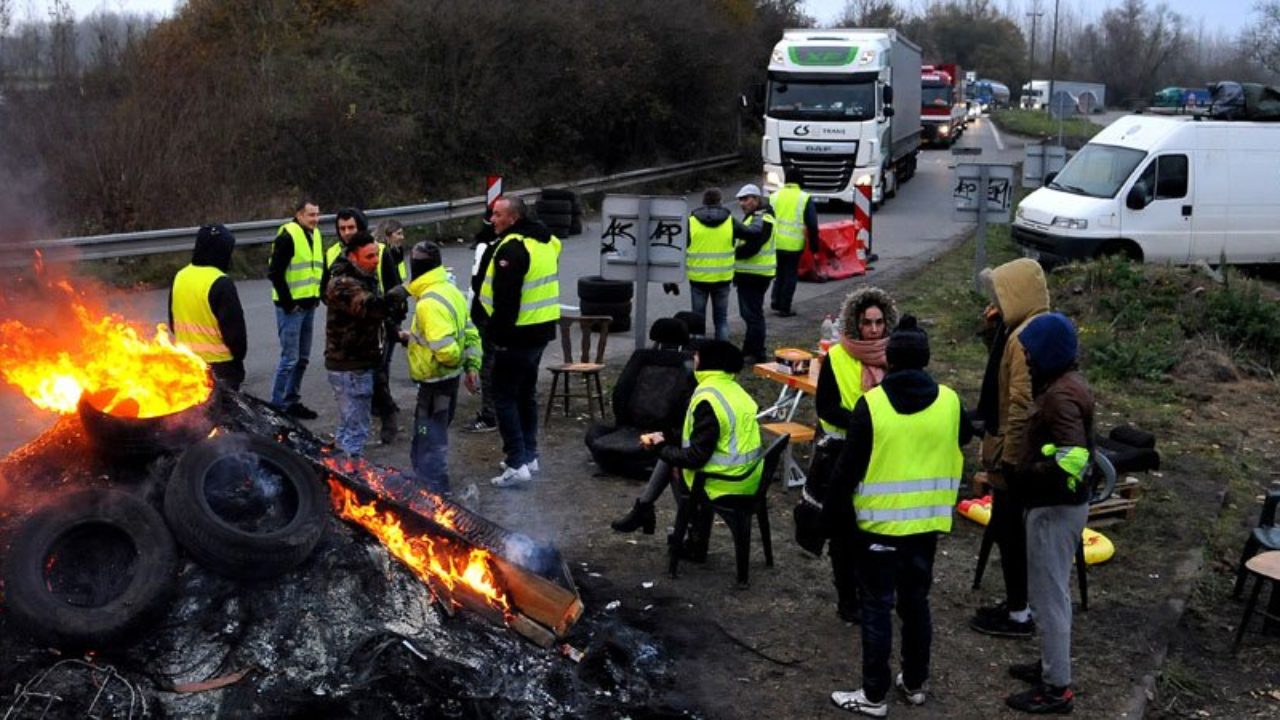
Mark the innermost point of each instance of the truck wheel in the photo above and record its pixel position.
(1120, 248)
(892, 184)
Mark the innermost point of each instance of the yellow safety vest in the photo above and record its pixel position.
(764, 262)
(737, 452)
(788, 209)
(710, 255)
(305, 267)
(194, 323)
(847, 371)
(443, 342)
(331, 256)
(540, 293)
(914, 473)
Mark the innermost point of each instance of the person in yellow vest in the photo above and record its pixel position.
(852, 367)
(521, 293)
(204, 307)
(720, 435)
(896, 482)
(709, 259)
(795, 221)
(444, 346)
(755, 264)
(295, 269)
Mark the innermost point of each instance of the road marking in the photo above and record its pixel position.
(996, 133)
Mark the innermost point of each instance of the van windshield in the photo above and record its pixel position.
(1098, 170)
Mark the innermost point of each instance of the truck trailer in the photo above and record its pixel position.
(943, 113)
(842, 109)
(1088, 97)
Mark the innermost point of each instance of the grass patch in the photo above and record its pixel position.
(1038, 123)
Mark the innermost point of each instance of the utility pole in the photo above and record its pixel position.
(1053, 56)
(1031, 66)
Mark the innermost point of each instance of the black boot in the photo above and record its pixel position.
(641, 516)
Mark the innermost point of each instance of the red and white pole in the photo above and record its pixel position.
(862, 222)
(492, 190)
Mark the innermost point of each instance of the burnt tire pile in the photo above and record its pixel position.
(93, 567)
(560, 211)
(597, 296)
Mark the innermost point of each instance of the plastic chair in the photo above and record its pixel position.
(1102, 481)
(585, 367)
(1265, 536)
(737, 512)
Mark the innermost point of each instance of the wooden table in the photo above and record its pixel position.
(794, 389)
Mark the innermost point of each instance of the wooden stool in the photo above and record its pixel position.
(793, 475)
(1265, 566)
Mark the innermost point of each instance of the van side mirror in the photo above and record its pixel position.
(886, 94)
(1137, 197)
(1049, 177)
(888, 112)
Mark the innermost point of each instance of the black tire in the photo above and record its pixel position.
(554, 207)
(575, 225)
(89, 569)
(1120, 248)
(595, 289)
(620, 312)
(238, 534)
(559, 194)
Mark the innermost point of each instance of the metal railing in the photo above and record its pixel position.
(149, 242)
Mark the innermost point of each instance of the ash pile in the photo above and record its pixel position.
(221, 562)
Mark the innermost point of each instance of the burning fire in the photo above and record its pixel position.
(436, 561)
(73, 350)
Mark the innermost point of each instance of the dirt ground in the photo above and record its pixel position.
(778, 649)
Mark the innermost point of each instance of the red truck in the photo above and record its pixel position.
(943, 113)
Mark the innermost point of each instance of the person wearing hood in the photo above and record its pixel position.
(204, 307)
(521, 294)
(755, 263)
(893, 489)
(852, 367)
(444, 346)
(1050, 482)
(1021, 295)
(295, 270)
(720, 435)
(709, 259)
(354, 334)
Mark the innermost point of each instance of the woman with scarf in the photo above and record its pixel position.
(852, 367)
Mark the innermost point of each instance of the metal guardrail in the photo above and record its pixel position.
(98, 247)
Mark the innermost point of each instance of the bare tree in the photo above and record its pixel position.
(871, 14)
(1263, 39)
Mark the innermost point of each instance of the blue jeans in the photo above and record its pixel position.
(515, 399)
(353, 389)
(895, 570)
(719, 294)
(784, 283)
(431, 418)
(294, 330)
(751, 290)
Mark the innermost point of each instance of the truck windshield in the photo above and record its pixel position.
(792, 100)
(1097, 170)
(935, 96)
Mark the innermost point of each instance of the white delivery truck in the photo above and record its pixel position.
(1088, 97)
(1162, 189)
(842, 109)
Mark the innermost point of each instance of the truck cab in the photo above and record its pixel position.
(943, 113)
(834, 116)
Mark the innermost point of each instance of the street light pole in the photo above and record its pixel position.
(1031, 66)
(1053, 56)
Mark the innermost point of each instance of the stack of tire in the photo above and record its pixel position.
(597, 296)
(559, 210)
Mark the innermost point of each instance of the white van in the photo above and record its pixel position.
(1162, 189)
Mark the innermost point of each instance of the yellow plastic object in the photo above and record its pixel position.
(1098, 548)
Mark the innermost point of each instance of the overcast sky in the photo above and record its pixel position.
(1226, 15)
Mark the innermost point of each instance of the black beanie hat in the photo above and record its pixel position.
(908, 346)
(719, 355)
(424, 258)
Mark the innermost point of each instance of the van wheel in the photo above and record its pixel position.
(1120, 248)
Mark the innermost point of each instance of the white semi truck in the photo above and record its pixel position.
(1088, 97)
(842, 109)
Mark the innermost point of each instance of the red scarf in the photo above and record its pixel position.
(871, 354)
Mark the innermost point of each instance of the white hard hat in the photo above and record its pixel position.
(748, 190)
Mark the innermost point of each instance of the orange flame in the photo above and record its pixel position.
(73, 350)
(433, 560)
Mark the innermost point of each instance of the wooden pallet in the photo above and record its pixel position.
(1121, 506)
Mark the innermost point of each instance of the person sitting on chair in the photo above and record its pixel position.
(720, 436)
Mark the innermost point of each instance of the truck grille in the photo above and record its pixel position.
(818, 173)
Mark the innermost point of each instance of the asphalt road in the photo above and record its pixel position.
(908, 230)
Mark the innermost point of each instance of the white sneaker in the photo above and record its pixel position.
(915, 697)
(512, 477)
(532, 465)
(856, 701)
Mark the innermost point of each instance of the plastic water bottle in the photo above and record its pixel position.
(828, 332)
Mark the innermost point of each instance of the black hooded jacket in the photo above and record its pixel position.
(510, 264)
(713, 216)
(909, 391)
(224, 301)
